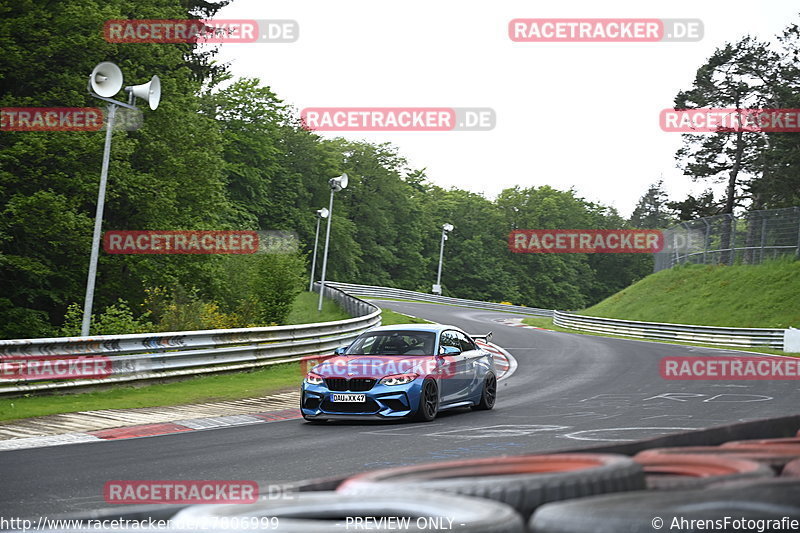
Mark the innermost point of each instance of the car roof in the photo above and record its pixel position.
(415, 327)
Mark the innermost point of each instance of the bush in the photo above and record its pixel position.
(278, 279)
(182, 310)
(116, 319)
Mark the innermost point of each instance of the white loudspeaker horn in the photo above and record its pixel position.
(150, 92)
(337, 184)
(106, 79)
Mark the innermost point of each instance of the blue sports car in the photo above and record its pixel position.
(402, 371)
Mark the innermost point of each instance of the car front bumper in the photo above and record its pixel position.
(381, 402)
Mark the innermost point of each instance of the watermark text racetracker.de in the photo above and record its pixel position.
(379, 367)
(180, 491)
(398, 118)
(28, 368)
(200, 31)
(719, 120)
(730, 368)
(199, 242)
(66, 119)
(596, 30)
(585, 241)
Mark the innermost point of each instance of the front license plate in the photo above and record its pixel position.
(361, 398)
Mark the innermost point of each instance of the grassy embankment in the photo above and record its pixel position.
(760, 296)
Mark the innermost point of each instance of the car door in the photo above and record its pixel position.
(470, 371)
(450, 366)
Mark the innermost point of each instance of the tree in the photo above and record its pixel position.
(779, 184)
(651, 211)
(49, 180)
(692, 207)
(736, 76)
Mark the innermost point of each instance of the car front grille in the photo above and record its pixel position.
(354, 384)
(337, 384)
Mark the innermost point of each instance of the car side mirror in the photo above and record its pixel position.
(340, 350)
(449, 350)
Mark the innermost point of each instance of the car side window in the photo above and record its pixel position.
(465, 344)
(448, 338)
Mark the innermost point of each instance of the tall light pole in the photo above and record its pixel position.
(336, 184)
(437, 289)
(321, 213)
(104, 82)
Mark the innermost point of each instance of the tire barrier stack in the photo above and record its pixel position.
(738, 485)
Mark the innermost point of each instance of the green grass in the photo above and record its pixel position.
(759, 296)
(200, 389)
(196, 390)
(547, 323)
(304, 310)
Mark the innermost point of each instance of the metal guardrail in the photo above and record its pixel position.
(371, 291)
(152, 356)
(763, 337)
(161, 355)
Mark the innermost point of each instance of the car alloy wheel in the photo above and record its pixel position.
(428, 401)
(488, 395)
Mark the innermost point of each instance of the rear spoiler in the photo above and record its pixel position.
(485, 337)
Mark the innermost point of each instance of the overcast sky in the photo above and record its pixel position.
(582, 115)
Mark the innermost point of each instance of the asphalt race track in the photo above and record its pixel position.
(569, 391)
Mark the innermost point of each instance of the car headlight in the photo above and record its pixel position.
(398, 379)
(314, 379)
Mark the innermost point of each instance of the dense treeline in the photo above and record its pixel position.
(221, 153)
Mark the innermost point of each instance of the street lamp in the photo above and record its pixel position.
(437, 289)
(336, 184)
(321, 213)
(104, 82)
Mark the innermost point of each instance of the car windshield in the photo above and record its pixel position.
(394, 343)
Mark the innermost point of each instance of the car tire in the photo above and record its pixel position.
(316, 421)
(327, 512)
(649, 511)
(691, 471)
(774, 458)
(428, 401)
(792, 469)
(525, 481)
(488, 394)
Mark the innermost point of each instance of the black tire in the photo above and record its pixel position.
(792, 469)
(775, 459)
(316, 421)
(525, 482)
(642, 512)
(428, 401)
(677, 471)
(324, 512)
(488, 395)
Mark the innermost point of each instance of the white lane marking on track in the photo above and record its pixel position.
(50, 440)
(590, 434)
(221, 421)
